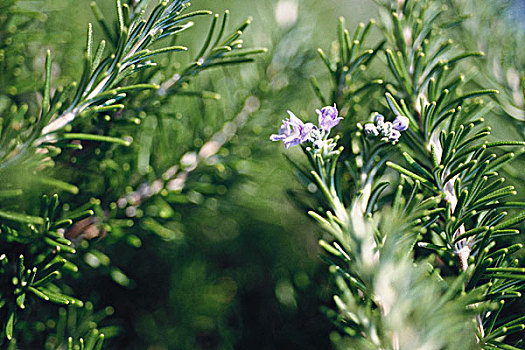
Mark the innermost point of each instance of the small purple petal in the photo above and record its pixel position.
(328, 117)
(306, 131)
(400, 123)
(277, 137)
(293, 119)
(394, 135)
(290, 142)
(379, 119)
(281, 135)
(293, 131)
(370, 129)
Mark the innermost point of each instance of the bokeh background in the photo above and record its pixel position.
(232, 261)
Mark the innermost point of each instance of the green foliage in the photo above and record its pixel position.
(503, 67)
(347, 73)
(44, 250)
(448, 213)
(172, 215)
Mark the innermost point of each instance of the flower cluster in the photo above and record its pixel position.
(328, 117)
(294, 131)
(389, 131)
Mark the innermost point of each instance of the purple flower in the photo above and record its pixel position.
(389, 131)
(400, 123)
(394, 135)
(293, 131)
(328, 117)
(370, 129)
(379, 119)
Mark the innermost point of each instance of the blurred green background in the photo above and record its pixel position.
(241, 269)
(244, 272)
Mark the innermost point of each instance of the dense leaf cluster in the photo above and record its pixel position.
(450, 211)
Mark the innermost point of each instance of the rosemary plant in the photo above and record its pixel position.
(137, 212)
(426, 264)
